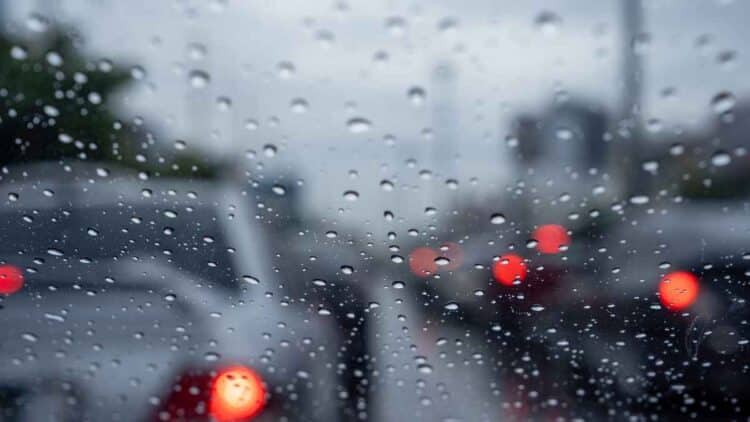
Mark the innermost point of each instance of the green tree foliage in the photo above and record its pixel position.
(53, 106)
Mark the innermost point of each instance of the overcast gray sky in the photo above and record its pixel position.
(359, 59)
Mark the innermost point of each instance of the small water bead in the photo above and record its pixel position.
(548, 23)
(416, 95)
(721, 158)
(285, 70)
(386, 185)
(451, 306)
(299, 105)
(270, 150)
(358, 125)
(723, 102)
(18, 53)
(37, 23)
(442, 261)
(497, 218)
(199, 79)
(211, 356)
(250, 279)
(351, 195)
(347, 269)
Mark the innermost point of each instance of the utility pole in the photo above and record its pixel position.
(444, 122)
(631, 109)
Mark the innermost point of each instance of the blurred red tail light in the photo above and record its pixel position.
(234, 393)
(237, 393)
(11, 279)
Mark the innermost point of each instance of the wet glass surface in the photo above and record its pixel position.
(374, 210)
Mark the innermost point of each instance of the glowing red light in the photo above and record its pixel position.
(237, 393)
(11, 279)
(678, 290)
(550, 237)
(509, 269)
(422, 261)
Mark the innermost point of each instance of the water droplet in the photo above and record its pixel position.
(250, 279)
(721, 159)
(396, 26)
(723, 102)
(677, 149)
(416, 95)
(270, 150)
(30, 337)
(448, 26)
(639, 199)
(54, 59)
(211, 356)
(442, 261)
(651, 166)
(358, 125)
(197, 51)
(299, 105)
(497, 218)
(92, 232)
(563, 134)
(451, 306)
(548, 23)
(424, 369)
(199, 79)
(351, 195)
(55, 252)
(285, 70)
(37, 23)
(224, 103)
(18, 53)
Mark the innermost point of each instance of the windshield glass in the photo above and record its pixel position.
(374, 210)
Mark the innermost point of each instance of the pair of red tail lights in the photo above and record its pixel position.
(677, 290)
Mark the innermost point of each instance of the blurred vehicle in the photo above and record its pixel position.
(138, 297)
(676, 337)
(324, 273)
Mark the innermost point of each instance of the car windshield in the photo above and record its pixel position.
(379, 210)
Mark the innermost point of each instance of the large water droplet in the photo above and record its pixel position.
(723, 102)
